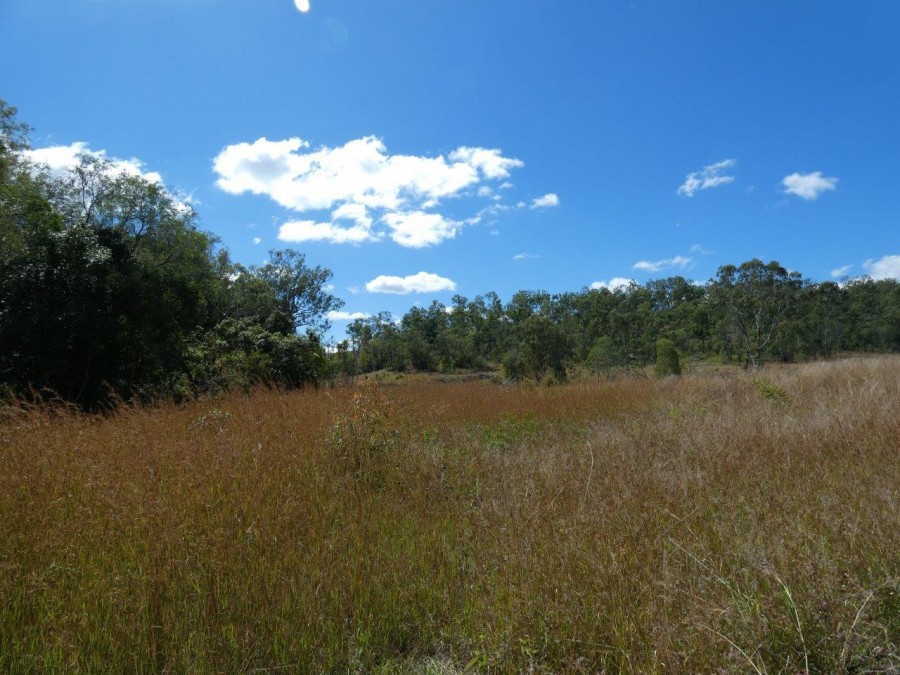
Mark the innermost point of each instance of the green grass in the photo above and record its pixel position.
(671, 526)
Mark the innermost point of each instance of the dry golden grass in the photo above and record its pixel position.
(724, 522)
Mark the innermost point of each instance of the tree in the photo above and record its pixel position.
(755, 298)
(110, 290)
(300, 291)
(104, 287)
(605, 356)
(542, 347)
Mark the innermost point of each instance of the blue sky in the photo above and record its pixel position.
(442, 147)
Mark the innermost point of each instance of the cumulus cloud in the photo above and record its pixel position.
(887, 267)
(297, 231)
(841, 272)
(346, 316)
(709, 176)
(382, 194)
(423, 282)
(613, 284)
(808, 186)
(418, 229)
(657, 265)
(61, 158)
(547, 201)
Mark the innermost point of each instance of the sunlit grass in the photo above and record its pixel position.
(725, 522)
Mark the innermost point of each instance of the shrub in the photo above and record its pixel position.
(605, 356)
(668, 361)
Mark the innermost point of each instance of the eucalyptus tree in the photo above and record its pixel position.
(755, 299)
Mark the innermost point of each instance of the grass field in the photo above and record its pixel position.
(720, 522)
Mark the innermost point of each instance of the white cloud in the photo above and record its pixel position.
(547, 201)
(841, 271)
(419, 229)
(423, 282)
(354, 212)
(657, 265)
(525, 256)
(808, 186)
(346, 316)
(382, 194)
(613, 284)
(491, 163)
(699, 249)
(61, 158)
(257, 240)
(309, 230)
(886, 268)
(302, 5)
(709, 176)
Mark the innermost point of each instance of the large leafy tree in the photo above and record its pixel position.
(755, 299)
(299, 290)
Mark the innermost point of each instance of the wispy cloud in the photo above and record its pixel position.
(808, 186)
(549, 200)
(370, 194)
(679, 261)
(699, 249)
(525, 256)
(423, 282)
(887, 267)
(709, 176)
(613, 284)
(841, 272)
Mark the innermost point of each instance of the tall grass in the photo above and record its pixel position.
(713, 523)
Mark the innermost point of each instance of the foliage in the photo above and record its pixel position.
(751, 313)
(755, 298)
(109, 290)
(605, 356)
(240, 353)
(774, 393)
(668, 361)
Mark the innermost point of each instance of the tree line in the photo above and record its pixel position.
(109, 290)
(747, 315)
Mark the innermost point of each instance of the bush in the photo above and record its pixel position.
(605, 356)
(668, 361)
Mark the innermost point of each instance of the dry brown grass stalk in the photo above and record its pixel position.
(714, 523)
